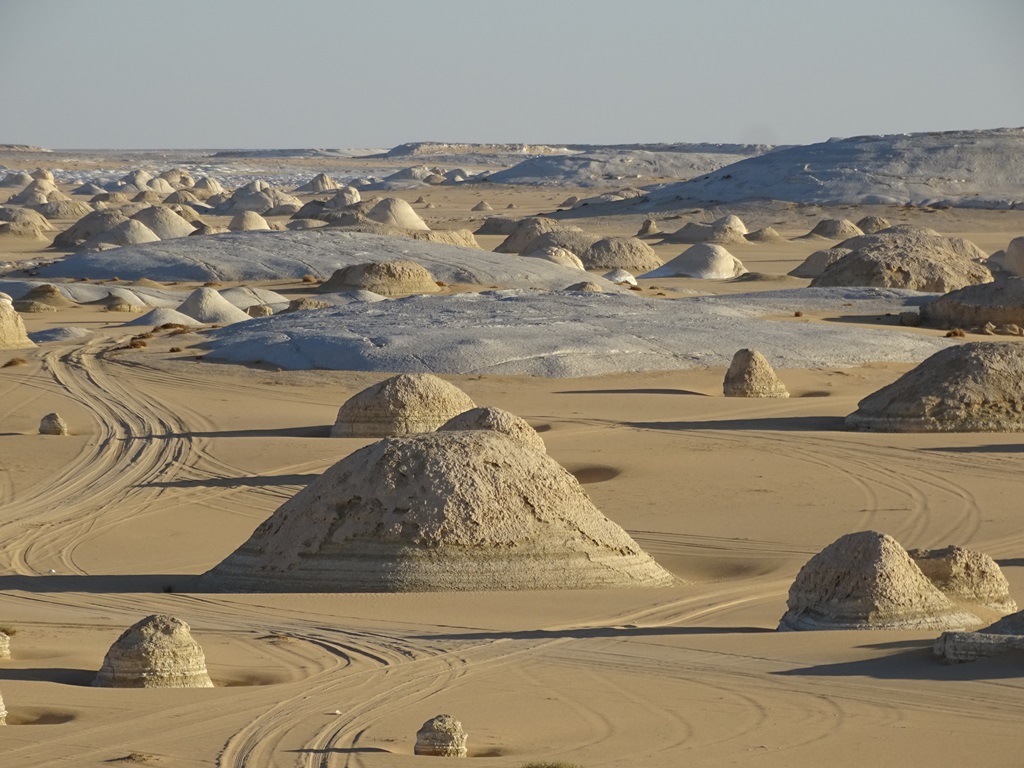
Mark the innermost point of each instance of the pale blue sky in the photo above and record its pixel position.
(323, 73)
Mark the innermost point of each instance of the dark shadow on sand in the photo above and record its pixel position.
(591, 632)
(917, 663)
(237, 482)
(780, 424)
(339, 751)
(1013, 448)
(638, 391)
(61, 675)
(116, 584)
(313, 431)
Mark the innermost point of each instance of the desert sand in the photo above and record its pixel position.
(171, 461)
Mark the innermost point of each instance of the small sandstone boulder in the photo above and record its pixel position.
(5, 645)
(751, 375)
(53, 424)
(441, 736)
(157, 652)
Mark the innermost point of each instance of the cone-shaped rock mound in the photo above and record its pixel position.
(157, 652)
(871, 224)
(835, 229)
(396, 212)
(441, 736)
(751, 375)
(704, 261)
(388, 278)
(966, 575)
(974, 387)
(248, 221)
(764, 235)
(867, 580)
(1000, 303)
(207, 306)
(407, 404)
(497, 420)
(445, 511)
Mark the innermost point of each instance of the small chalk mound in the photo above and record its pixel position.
(620, 277)
(483, 205)
(871, 224)
(387, 278)
(157, 652)
(704, 261)
(53, 424)
(649, 227)
(497, 420)
(207, 306)
(248, 221)
(441, 736)
(406, 404)
(585, 287)
(966, 575)
(396, 212)
(751, 375)
(835, 229)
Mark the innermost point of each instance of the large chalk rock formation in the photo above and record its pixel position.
(974, 387)
(446, 511)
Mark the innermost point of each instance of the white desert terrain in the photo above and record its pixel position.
(603, 590)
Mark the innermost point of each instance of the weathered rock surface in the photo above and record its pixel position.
(911, 258)
(12, 328)
(441, 736)
(1000, 303)
(974, 387)
(867, 580)
(157, 652)
(751, 375)
(961, 647)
